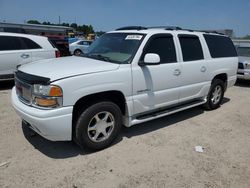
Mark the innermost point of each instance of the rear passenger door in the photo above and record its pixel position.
(194, 84)
(13, 52)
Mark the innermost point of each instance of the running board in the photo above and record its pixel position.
(162, 113)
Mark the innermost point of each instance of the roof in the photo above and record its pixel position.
(147, 30)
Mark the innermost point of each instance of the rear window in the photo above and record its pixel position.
(30, 44)
(191, 47)
(220, 46)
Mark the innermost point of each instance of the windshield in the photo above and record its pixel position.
(115, 47)
(244, 51)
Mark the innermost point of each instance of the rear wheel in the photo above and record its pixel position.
(215, 95)
(77, 52)
(98, 125)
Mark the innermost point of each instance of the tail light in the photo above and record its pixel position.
(57, 53)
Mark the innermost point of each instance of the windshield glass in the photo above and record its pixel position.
(243, 51)
(115, 47)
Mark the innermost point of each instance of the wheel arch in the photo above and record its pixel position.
(223, 77)
(114, 96)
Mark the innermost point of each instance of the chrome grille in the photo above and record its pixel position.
(24, 91)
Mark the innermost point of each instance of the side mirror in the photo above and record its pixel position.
(151, 59)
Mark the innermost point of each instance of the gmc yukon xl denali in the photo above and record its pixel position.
(128, 76)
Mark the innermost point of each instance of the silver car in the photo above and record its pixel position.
(79, 47)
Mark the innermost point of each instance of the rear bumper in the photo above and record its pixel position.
(243, 74)
(54, 125)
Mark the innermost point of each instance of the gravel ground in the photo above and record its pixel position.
(159, 153)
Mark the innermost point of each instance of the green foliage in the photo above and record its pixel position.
(33, 22)
(246, 37)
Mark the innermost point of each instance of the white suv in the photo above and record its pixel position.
(129, 76)
(18, 49)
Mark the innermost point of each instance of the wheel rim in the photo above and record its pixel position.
(216, 95)
(101, 126)
(77, 53)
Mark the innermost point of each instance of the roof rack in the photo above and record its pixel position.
(166, 28)
(132, 28)
(215, 32)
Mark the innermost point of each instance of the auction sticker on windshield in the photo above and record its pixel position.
(133, 37)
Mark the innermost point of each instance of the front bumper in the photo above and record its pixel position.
(243, 74)
(54, 125)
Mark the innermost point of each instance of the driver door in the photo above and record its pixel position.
(157, 86)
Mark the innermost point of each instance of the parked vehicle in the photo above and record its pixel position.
(243, 49)
(19, 49)
(79, 47)
(129, 76)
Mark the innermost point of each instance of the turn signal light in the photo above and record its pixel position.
(46, 102)
(55, 91)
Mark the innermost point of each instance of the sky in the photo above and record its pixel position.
(108, 15)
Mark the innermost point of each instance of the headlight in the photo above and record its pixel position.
(47, 96)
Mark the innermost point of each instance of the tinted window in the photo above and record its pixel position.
(10, 43)
(191, 47)
(30, 44)
(164, 47)
(220, 46)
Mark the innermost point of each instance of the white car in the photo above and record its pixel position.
(19, 49)
(79, 47)
(244, 62)
(129, 76)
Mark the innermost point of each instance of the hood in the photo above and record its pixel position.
(59, 68)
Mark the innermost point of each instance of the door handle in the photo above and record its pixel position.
(25, 56)
(203, 69)
(177, 72)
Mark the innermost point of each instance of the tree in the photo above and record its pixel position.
(33, 22)
(246, 37)
(74, 25)
(65, 24)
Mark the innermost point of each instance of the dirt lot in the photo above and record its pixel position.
(155, 154)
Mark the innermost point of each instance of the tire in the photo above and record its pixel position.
(214, 100)
(77, 52)
(102, 118)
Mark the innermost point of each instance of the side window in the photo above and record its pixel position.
(163, 46)
(191, 47)
(80, 43)
(220, 46)
(30, 44)
(10, 43)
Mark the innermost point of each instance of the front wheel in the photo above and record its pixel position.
(98, 125)
(215, 95)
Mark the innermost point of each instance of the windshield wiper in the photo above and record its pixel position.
(99, 57)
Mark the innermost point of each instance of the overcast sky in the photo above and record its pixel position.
(110, 14)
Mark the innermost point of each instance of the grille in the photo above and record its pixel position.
(24, 91)
(240, 66)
